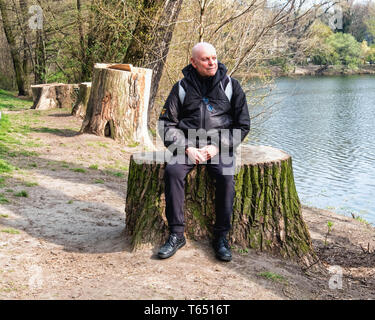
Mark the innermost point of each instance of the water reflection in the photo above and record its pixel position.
(327, 124)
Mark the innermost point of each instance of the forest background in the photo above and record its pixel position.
(44, 41)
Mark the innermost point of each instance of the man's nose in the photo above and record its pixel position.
(211, 61)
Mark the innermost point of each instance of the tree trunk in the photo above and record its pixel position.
(152, 36)
(118, 103)
(40, 58)
(17, 64)
(27, 54)
(54, 95)
(80, 107)
(266, 214)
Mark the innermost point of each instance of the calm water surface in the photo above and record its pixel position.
(327, 125)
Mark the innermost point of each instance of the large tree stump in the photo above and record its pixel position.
(80, 107)
(266, 215)
(54, 95)
(118, 103)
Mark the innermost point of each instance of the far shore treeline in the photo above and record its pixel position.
(59, 41)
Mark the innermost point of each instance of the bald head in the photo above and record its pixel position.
(203, 59)
(202, 46)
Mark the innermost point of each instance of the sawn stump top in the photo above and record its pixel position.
(246, 154)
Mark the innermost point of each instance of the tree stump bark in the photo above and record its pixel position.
(118, 104)
(267, 213)
(54, 95)
(80, 107)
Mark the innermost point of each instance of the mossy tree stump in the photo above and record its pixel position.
(267, 213)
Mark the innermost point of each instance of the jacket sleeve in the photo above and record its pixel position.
(241, 118)
(171, 136)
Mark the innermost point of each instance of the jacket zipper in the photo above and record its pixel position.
(203, 115)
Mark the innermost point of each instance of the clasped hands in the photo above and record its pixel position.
(203, 154)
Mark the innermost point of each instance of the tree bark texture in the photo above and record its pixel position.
(80, 107)
(118, 104)
(152, 36)
(54, 95)
(267, 212)
(16, 58)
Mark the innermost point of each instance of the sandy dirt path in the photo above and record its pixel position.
(66, 239)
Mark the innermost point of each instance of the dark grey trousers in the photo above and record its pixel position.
(174, 178)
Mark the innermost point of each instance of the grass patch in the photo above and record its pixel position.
(49, 130)
(242, 251)
(273, 277)
(115, 173)
(102, 144)
(22, 194)
(10, 231)
(28, 153)
(98, 144)
(3, 199)
(30, 184)
(9, 101)
(65, 165)
(133, 145)
(94, 167)
(4, 216)
(78, 170)
(359, 218)
(99, 181)
(2, 182)
(5, 167)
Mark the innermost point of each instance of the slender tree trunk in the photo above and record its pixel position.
(150, 44)
(26, 48)
(84, 61)
(17, 63)
(40, 58)
(201, 19)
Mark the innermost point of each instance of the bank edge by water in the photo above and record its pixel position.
(311, 70)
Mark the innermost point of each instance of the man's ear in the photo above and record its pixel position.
(193, 62)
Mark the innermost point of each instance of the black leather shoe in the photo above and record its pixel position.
(222, 249)
(171, 246)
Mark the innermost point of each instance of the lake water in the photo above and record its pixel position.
(327, 125)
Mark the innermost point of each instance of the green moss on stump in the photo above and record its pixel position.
(267, 212)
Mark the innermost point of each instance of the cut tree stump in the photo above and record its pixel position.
(54, 95)
(118, 104)
(80, 107)
(267, 212)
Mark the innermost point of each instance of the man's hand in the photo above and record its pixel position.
(209, 151)
(203, 154)
(195, 155)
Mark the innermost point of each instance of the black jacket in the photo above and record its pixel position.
(205, 107)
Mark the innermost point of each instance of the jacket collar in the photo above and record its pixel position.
(192, 76)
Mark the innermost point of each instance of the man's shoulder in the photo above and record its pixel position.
(175, 87)
(236, 85)
(235, 81)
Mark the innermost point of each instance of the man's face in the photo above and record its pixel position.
(205, 62)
